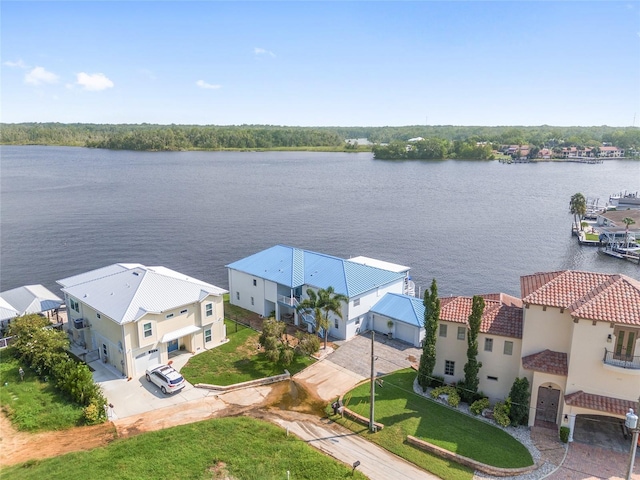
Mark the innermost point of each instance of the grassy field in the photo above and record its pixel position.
(30, 404)
(236, 361)
(234, 447)
(404, 413)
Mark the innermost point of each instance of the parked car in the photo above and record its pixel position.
(165, 377)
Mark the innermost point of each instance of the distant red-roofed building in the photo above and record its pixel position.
(580, 345)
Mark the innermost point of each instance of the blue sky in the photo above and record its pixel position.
(322, 63)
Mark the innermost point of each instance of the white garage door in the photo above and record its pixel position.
(405, 332)
(146, 359)
(380, 324)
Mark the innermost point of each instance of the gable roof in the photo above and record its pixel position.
(500, 317)
(295, 267)
(403, 308)
(6, 310)
(587, 295)
(126, 292)
(547, 361)
(31, 299)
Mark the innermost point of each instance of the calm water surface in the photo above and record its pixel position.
(474, 226)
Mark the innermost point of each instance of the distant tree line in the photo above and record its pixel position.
(433, 149)
(440, 141)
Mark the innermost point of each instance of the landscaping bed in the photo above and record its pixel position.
(405, 413)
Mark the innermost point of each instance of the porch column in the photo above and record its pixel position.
(572, 424)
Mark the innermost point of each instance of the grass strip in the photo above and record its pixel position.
(234, 447)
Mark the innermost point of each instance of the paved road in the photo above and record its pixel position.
(375, 462)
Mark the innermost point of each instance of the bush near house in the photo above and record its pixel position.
(501, 413)
(44, 351)
(479, 406)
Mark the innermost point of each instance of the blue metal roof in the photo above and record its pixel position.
(402, 308)
(295, 267)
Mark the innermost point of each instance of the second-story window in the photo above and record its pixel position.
(147, 330)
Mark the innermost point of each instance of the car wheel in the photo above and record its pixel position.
(148, 377)
(163, 390)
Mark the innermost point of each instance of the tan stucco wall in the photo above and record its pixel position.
(587, 371)
(450, 348)
(548, 329)
(497, 364)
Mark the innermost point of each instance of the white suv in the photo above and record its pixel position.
(166, 377)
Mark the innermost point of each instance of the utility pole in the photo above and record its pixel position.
(372, 427)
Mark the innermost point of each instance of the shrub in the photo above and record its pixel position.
(501, 414)
(479, 405)
(436, 381)
(307, 344)
(519, 406)
(564, 434)
(453, 399)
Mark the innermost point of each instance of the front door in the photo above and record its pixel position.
(547, 407)
(625, 343)
(172, 346)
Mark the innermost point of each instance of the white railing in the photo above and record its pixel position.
(291, 301)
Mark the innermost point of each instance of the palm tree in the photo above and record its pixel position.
(578, 208)
(322, 304)
(627, 221)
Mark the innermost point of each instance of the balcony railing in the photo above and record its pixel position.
(621, 360)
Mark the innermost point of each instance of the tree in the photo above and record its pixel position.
(578, 208)
(472, 367)
(273, 342)
(519, 402)
(323, 304)
(628, 221)
(39, 347)
(431, 316)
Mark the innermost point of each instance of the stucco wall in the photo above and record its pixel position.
(548, 329)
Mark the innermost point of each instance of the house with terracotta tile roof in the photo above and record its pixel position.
(499, 342)
(580, 348)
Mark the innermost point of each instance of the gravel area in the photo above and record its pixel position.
(522, 434)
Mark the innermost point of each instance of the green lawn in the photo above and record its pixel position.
(33, 405)
(240, 447)
(404, 413)
(236, 361)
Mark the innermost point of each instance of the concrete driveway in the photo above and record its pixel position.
(136, 396)
(392, 355)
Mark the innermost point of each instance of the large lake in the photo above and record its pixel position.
(474, 226)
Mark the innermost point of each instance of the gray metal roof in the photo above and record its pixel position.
(401, 308)
(31, 299)
(127, 293)
(6, 311)
(295, 267)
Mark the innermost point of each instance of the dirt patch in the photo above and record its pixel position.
(17, 447)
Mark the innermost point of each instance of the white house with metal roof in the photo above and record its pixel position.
(134, 316)
(275, 280)
(26, 300)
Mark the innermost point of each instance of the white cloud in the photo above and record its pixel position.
(262, 51)
(39, 76)
(93, 82)
(18, 64)
(203, 84)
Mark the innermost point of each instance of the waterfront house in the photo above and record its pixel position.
(499, 342)
(610, 151)
(132, 316)
(580, 347)
(26, 300)
(274, 281)
(612, 221)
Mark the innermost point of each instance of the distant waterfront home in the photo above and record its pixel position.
(499, 342)
(612, 221)
(26, 300)
(580, 347)
(611, 152)
(274, 281)
(134, 316)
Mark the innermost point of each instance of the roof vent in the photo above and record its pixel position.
(136, 274)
